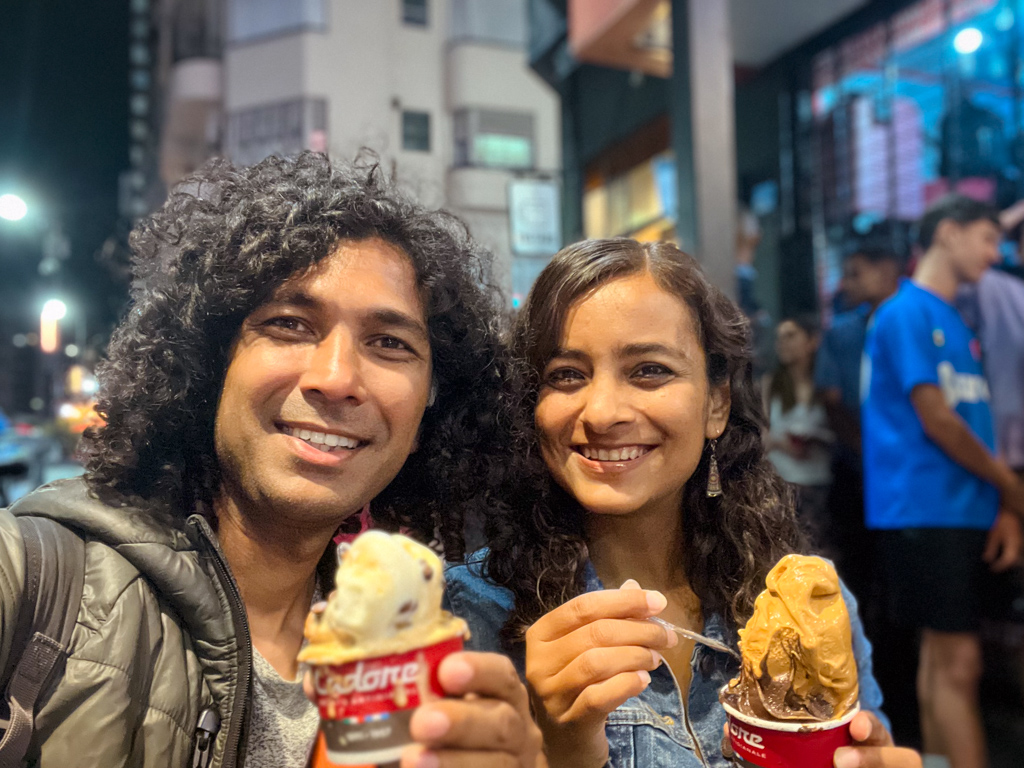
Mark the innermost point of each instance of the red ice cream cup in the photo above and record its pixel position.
(366, 705)
(773, 744)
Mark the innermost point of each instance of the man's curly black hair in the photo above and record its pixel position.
(223, 242)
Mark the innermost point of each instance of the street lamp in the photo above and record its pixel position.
(12, 207)
(54, 311)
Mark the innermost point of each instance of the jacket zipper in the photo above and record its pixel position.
(233, 747)
(686, 709)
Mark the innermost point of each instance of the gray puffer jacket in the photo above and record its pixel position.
(161, 637)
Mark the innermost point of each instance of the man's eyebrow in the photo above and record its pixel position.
(396, 319)
(297, 297)
(379, 315)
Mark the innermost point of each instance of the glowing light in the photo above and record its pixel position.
(55, 309)
(67, 411)
(12, 207)
(71, 350)
(967, 40)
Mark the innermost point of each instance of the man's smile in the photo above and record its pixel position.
(321, 438)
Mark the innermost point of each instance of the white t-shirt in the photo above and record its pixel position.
(802, 420)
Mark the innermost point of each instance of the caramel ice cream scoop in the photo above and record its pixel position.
(798, 661)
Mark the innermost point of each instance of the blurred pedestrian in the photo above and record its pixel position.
(941, 500)
(748, 238)
(798, 439)
(870, 276)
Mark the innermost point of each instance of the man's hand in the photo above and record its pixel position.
(1004, 543)
(1011, 493)
(486, 720)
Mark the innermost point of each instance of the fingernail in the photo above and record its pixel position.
(428, 760)
(630, 584)
(431, 724)
(656, 601)
(673, 638)
(846, 758)
(656, 659)
(645, 677)
(457, 673)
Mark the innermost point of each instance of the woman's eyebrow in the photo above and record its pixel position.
(570, 354)
(650, 348)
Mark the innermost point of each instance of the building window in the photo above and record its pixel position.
(488, 138)
(499, 22)
(250, 20)
(283, 128)
(416, 131)
(414, 12)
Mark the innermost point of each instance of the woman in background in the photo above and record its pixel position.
(798, 439)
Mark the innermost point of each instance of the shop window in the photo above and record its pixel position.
(414, 12)
(491, 139)
(416, 131)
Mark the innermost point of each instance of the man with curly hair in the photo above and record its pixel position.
(302, 340)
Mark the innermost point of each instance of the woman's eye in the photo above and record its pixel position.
(563, 377)
(652, 371)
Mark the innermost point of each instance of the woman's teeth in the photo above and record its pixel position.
(324, 441)
(625, 453)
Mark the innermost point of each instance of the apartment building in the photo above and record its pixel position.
(441, 90)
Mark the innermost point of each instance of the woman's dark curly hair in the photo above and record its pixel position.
(539, 551)
(223, 242)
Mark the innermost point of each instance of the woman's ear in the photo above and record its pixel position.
(719, 404)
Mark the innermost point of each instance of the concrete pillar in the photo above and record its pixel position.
(704, 135)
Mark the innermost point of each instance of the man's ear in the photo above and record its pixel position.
(719, 405)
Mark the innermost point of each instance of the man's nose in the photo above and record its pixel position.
(334, 369)
(607, 404)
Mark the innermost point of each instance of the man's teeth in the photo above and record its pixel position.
(625, 453)
(325, 441)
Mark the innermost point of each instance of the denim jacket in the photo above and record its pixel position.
(637, 737)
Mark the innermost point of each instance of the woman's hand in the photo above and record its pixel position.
(583, 660)
(874, 747)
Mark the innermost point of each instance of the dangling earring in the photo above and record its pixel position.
(714, 479)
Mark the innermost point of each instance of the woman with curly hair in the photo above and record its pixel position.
(639, 386)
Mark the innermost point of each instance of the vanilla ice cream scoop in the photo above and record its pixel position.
(387, 599)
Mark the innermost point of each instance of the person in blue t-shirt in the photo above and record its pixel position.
(941, 501)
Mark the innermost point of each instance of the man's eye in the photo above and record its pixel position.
(390, 342)
(286, 323)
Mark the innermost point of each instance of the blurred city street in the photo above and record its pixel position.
(848, 173)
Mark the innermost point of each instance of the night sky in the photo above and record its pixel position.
(63, 142)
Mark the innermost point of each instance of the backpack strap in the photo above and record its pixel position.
(54, 576)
